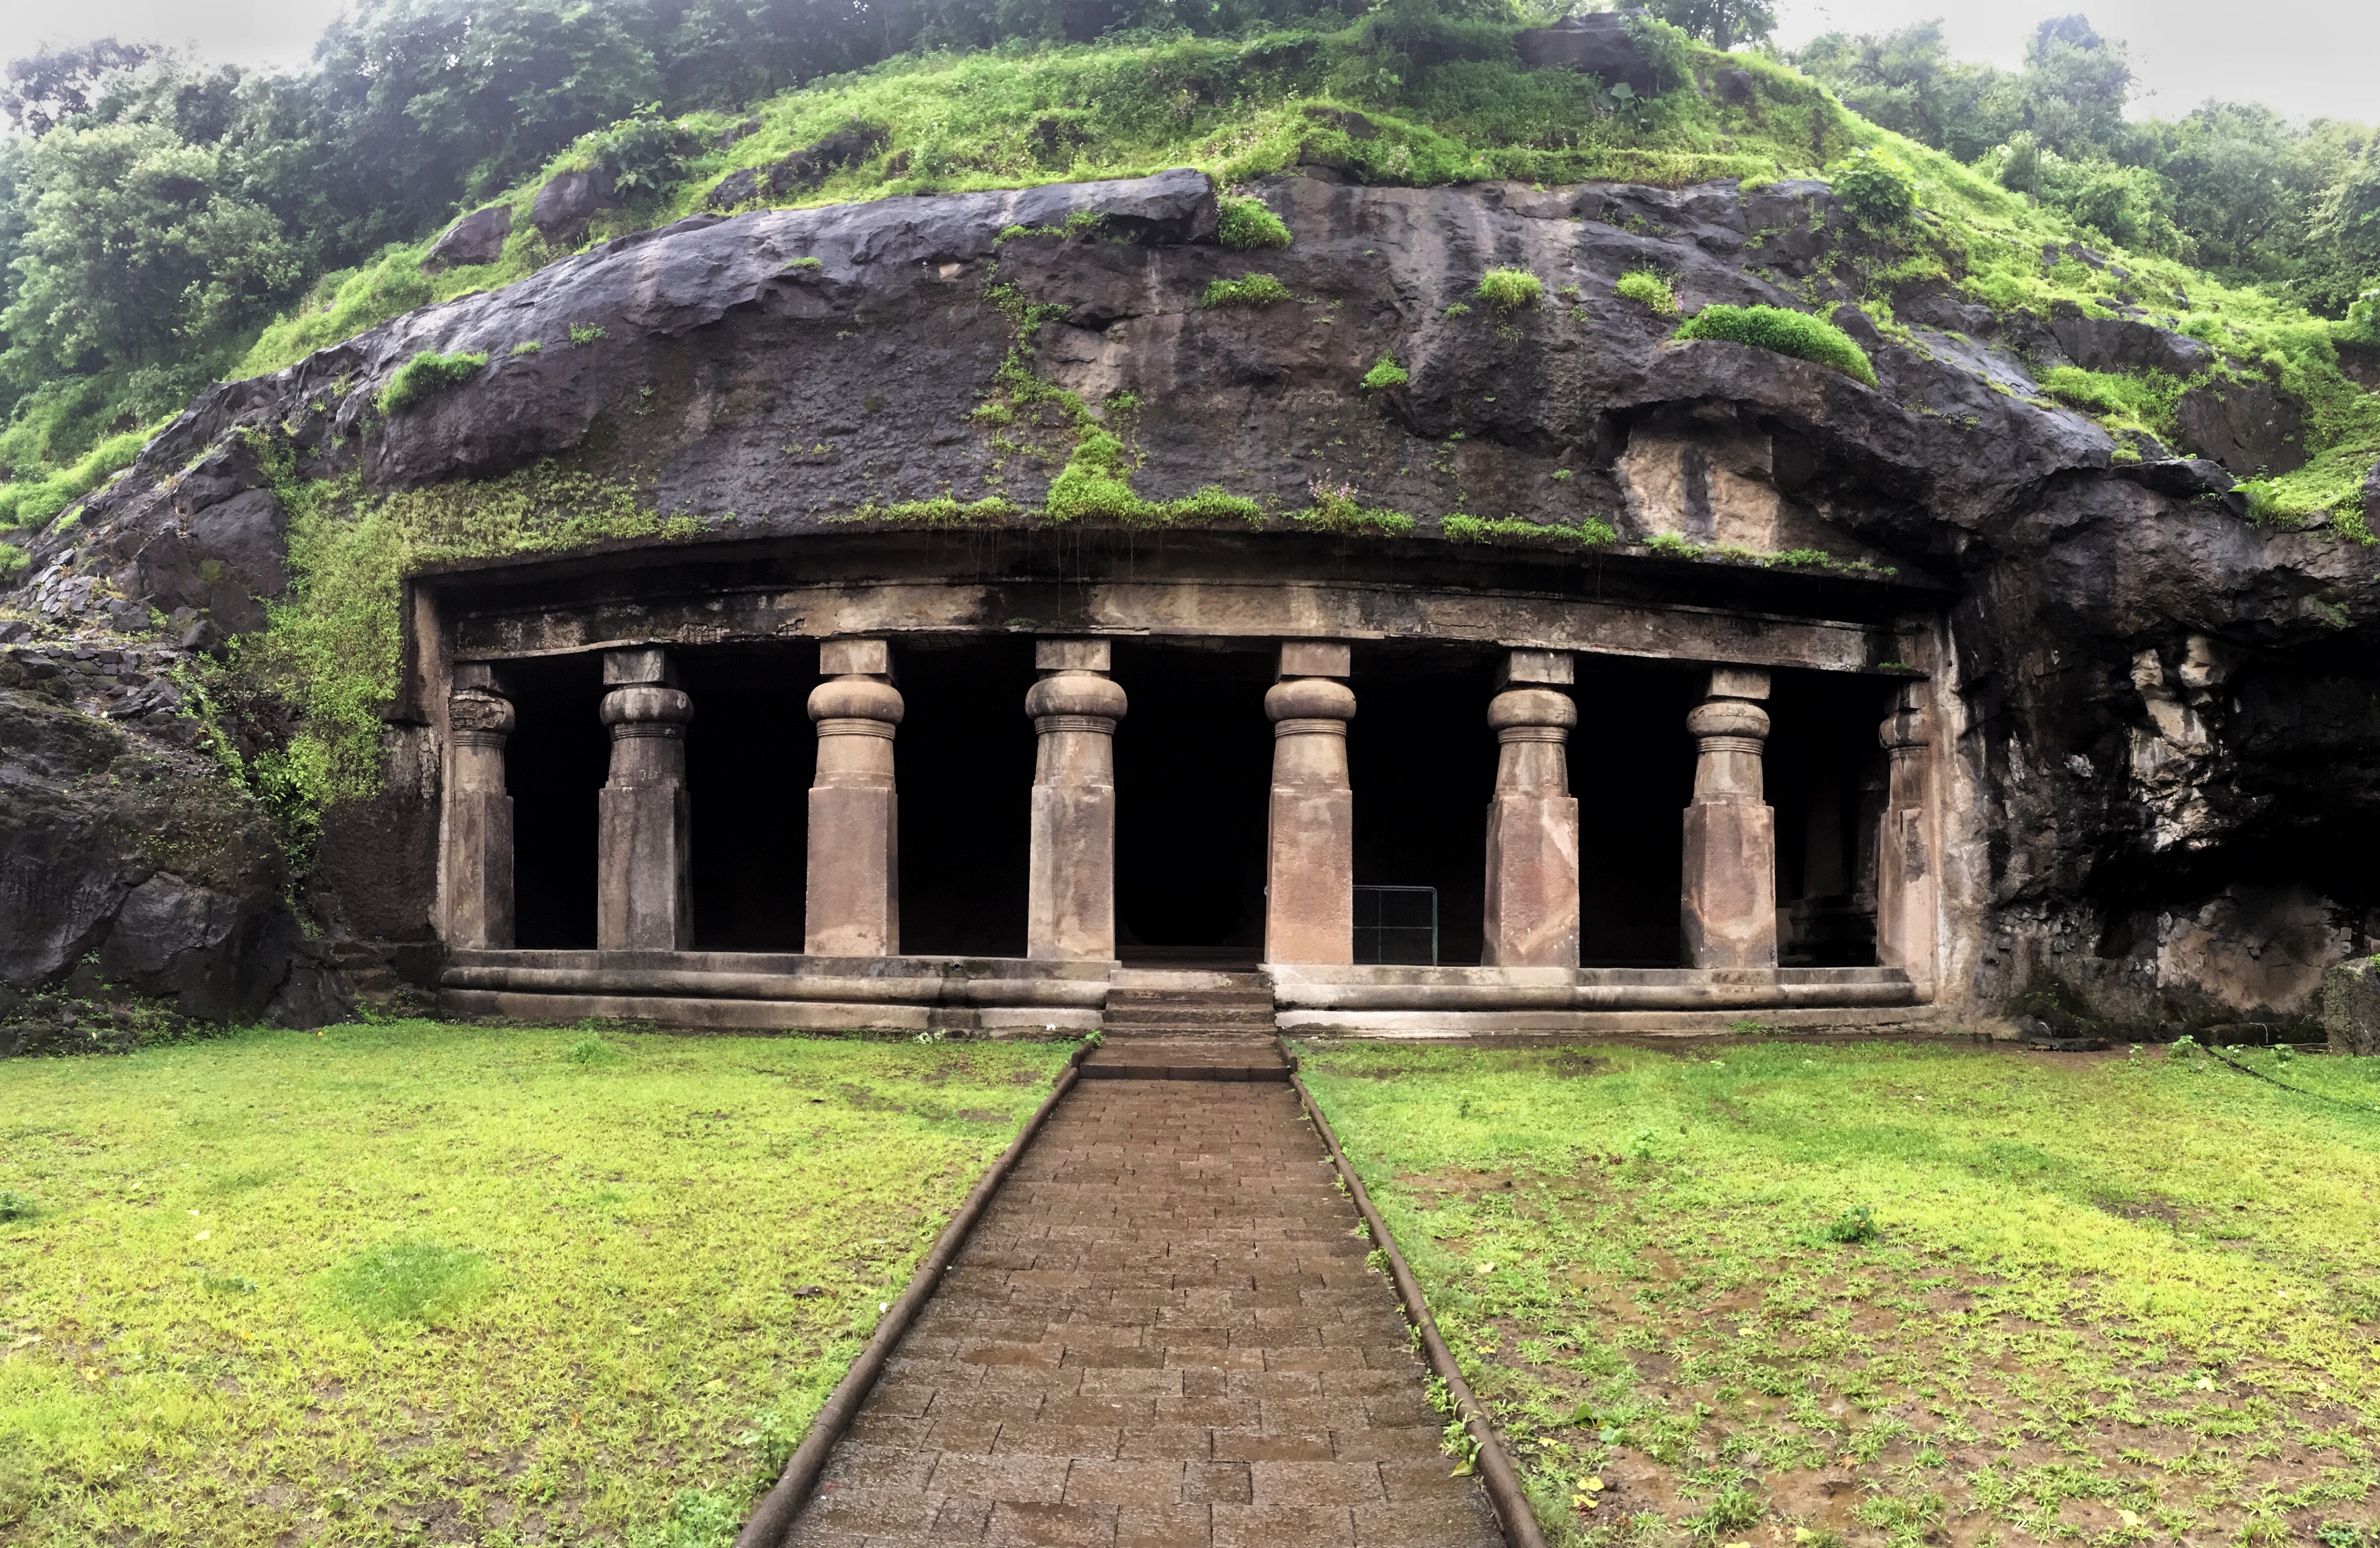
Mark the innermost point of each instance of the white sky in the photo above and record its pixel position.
(2309, 58)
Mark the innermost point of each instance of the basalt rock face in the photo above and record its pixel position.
(2172, 732)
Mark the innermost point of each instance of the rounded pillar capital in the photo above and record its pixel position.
(480, 715)
(1733, 718)
(1310, 699)
(1077, 695)
(839, 702)
(646, 709)
(1531, 714)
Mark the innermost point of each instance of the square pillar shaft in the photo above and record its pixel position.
(1070, 887)
(1532, 904)
(478, 865)
(1728, 903)
(853, 906)
(1311, 850)
(1904, 883)
(644, 897)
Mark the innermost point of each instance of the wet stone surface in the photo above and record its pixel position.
(1161, 1332)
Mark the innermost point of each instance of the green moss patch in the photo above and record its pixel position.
(1786, 332)
(1256, 290)
(415, 1272)
(425, 376)
(1814, 1293)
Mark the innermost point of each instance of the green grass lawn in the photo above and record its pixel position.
(418, 1282)
(1790, 1294)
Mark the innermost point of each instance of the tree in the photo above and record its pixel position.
(2072, 89)
(56, 84)
(1907, 82)
(2242, 184)
(136, 245)
(1723, 23)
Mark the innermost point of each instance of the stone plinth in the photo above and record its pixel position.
(2350, 1007)
(1070, 887)
(478, 813)
(854, 906)
(1728, 907)
(1905, 926)
(1310, 853)
(1532, 917)
(644, 897)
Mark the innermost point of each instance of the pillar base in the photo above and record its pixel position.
(1729, 907)
(855, 871)
(479, 869)
(1532, 882)
(644, 894)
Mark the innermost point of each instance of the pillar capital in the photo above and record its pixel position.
(1078, 695)
(480, 717)
(1309, 706)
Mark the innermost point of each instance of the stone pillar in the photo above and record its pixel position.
(855, 853)
(1310, 858)
(1904, 883)
(1729, 907)
(643, 897)
(1070, 889)
(478, 813)
(1532, 819)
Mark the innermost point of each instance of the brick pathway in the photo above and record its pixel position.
(1163, 1332)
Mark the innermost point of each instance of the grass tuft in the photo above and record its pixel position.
(425, 376)
(423, 1282)
(1786, 332)
(1246, 223)
(1510, 289)
(1256, 290)
(1648, 288)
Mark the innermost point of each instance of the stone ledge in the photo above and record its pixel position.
(773, 1016)
(1560, 1026)
(1580, 989)
(785, 978)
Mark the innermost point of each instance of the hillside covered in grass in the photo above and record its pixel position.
(232, 263)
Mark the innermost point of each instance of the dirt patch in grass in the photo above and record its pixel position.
(2113, 1303)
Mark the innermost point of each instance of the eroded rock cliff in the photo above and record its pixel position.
(2172, 712)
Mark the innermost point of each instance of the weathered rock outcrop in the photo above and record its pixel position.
(2174, 721)
(477, 237)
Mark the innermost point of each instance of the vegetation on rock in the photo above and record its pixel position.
(1256, 290)
(1648, 288)
(425, 376)
(1243, 223)
(1787, 332)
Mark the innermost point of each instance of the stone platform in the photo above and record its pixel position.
(1163, 1332)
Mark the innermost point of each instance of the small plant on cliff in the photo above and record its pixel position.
(1256, 290)
(425, 376)
(584, 333)
(1244, 221)
(1787, 332)
(528, 346)
(1337, 508)
(1648, 288)
(1385, 373)
(1510, 289)
(1876, 186)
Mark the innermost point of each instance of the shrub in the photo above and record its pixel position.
(1457, 310)
(15, 1205)
(12, 559)
(1854, 1224)
(584, 333)
(1648, 288)
(1256, 290)
(2363, 317)
(1246, 223)
(1510, 289)
(425, 376)
(1385, 373)
(1787, 332)
(1876, 186)
(528, 346)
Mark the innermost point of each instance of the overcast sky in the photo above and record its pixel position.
(2309, 58)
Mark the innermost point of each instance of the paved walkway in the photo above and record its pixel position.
(1163, 1332)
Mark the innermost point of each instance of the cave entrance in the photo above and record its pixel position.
(1827, 776)
(1422, 762)
(749, 753)
(1632, 767)
(555, 761)
(963, 762)
(1194, 774)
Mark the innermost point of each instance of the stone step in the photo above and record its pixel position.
(1214, 1058)
(1257, 1019)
